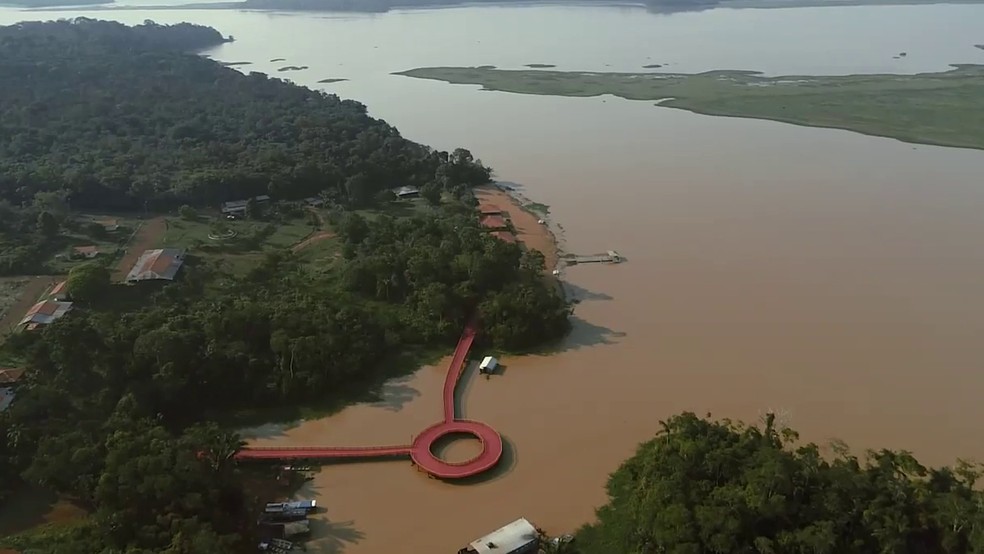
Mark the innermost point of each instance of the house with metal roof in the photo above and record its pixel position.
(406, 192)
(6, 397)
(159, 264)
(45, 312)
(10, 376)
(519, 537)
(59, 292)
(238, 207)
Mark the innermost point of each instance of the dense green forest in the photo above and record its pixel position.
(115, 408)
(705, 486)
(123, 119)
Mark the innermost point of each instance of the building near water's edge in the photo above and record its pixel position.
(519, 537)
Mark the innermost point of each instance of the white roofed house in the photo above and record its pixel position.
(519, 537)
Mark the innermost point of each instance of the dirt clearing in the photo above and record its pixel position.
(19, 294)
(147, 236)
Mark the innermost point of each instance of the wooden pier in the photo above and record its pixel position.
(610, 257)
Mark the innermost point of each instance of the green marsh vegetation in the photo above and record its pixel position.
(929, 108)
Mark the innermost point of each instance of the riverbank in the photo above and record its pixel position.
(524, 219)
(941, 109)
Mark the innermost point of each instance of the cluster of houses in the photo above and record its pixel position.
(153, 265)
(161, 264)
(494, 219)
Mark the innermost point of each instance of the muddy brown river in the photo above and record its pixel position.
(835, 278)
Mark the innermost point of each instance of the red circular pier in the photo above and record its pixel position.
(421, 450)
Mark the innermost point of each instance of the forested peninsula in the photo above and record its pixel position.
(308, 298)
(927, 108)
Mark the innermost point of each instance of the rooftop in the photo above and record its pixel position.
(58, 289)
(238, 205)
(10, 375)
(505, 540)
(406, 191)
(46, 312)
(162, 263)
(6, 397)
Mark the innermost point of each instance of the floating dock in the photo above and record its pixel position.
(610, 257)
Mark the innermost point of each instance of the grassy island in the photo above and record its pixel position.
(928, 108)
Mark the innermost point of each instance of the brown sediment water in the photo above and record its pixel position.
(835, 278)
(839, 283)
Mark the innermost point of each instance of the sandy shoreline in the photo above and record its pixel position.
(529, 230)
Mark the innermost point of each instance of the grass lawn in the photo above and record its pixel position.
(930, 108)
(398, 208)
(241, 252)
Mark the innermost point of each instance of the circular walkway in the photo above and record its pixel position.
(422, 454)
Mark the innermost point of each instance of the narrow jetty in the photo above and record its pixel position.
(610, 257)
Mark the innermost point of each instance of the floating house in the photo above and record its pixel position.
(488, 365)
(160, 264)
(519, 537)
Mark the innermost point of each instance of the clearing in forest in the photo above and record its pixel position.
(147, 236)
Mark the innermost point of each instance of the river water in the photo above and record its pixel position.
(835, 278)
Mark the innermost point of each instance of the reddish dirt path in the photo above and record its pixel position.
(146, 237)
(319, 236)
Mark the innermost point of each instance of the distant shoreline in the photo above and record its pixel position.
(940, 109)
(358, 7)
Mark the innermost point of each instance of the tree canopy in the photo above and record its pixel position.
(705, 486)
(124, 118)
(113, 409)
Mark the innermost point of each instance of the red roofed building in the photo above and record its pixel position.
(493, 222)
(10, 375)
(160, 264)
(45, 312)
(59, 292)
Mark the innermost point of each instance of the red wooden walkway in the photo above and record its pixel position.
(421, 450)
